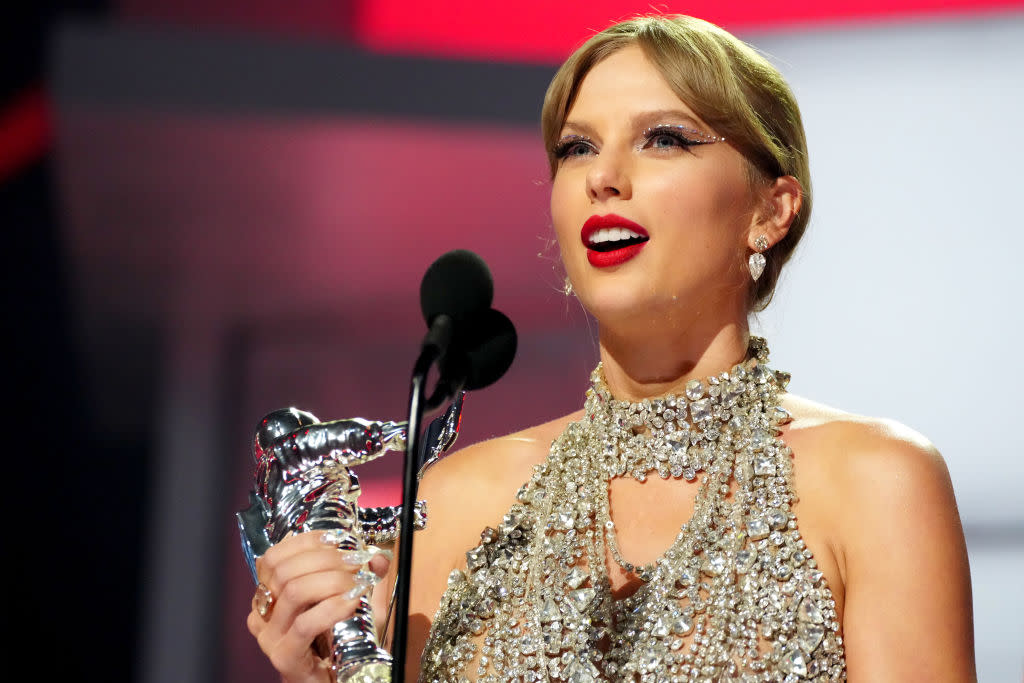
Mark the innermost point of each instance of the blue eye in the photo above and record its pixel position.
(666, 140)
(573, 146)
(667, 137)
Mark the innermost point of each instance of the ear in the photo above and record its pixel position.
(781, 202)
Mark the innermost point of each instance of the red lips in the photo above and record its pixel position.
(612, 257)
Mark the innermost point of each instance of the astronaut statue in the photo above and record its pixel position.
(304, 482)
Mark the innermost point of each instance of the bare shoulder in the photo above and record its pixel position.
(863, 454)
(507, 461)
(474, 487)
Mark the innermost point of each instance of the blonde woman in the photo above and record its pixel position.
(694, 521)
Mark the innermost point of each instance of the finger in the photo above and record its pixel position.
(255, 623)
(291, 653)
(287, 560)
(289, 546)
(319, 619)
(306, 591)
(278, 575)
(379, 564)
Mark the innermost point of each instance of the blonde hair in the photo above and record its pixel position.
(727, 84)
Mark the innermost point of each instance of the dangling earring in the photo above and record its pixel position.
(757, 261)
(567, 287)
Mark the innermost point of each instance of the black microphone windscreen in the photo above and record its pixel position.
(489, 342)
(457, 284)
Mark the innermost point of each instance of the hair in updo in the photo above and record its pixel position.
(728, 85)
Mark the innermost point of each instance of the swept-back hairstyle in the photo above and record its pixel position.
(727, 84)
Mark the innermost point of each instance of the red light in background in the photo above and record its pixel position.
(546, 32)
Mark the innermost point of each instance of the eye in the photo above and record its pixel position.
(667, 137)
(573, 146)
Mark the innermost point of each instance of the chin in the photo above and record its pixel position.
(625, 306)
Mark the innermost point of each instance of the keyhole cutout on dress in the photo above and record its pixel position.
(648, 516)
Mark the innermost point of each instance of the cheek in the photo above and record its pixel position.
(712, 212)
(562, 215)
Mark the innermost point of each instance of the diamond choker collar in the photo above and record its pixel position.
(675, 434)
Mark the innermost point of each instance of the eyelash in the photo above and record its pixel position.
(563, 146)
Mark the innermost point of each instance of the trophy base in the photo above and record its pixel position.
(373, 671)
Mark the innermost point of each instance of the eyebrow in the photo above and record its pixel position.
(643, 120)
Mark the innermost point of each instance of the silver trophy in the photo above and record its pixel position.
(305, 482)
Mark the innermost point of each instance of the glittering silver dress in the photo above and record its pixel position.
(737, 596)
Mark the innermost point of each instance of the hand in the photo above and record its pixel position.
(314, 586)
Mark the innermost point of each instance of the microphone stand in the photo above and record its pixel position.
(434, 346)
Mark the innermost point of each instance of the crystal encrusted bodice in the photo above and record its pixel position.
(737, 596)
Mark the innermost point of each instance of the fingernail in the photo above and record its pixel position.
(366, 578)
(357, 558)
(356, 591)
(333, 537)
(381, 551)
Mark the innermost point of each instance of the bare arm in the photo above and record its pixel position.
(908, 595)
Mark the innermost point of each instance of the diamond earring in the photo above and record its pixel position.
(567, 287)
(757, 260)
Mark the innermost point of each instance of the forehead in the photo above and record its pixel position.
(623, 86)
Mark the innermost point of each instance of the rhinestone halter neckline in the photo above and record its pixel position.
(737, 594)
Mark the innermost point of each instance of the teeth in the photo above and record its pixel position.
(612, 235)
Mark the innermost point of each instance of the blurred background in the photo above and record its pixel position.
(216, 208)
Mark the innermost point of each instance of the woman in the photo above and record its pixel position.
(814, 544)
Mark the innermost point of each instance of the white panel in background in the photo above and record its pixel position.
(904, 301)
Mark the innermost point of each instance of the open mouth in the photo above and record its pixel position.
(610, 239)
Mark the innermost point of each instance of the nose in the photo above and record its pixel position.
(608, 177)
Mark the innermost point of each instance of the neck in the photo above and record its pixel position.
(657, 364)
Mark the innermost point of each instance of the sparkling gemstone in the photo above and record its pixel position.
(732, 391)
(649, 661)
(549, 612)
(714, 564)
(580, 670)
(581, 598)
(809, 636)
(701, 410)
(745, 560)
(793, 661)
(764, 465)
(688, 576)
(760, 374)
(682, 625)
(809, 611)
(576, 577)
(777, 519)
(476, 558)
(744, 472)
(782, 572)
(565, 520)
(757, 528)
(694, 389)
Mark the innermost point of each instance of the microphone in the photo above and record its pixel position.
(456, 284)
(483, 349)
(474, 343)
